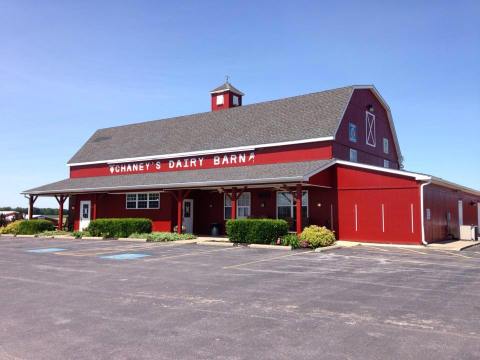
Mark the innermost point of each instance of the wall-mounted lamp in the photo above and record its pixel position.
(210, 206)
(319, 204)
(473, 203)
(262, 204)
(370, 108)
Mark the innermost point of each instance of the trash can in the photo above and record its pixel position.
(215, 229)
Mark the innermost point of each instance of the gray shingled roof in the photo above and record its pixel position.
(302, 117)
(227, 86)
(257, 174)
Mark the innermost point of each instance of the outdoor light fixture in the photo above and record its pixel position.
(473, 203)
(319, 204)
(262, 204)
(370, 108)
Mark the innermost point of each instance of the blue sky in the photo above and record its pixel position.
(70, 67)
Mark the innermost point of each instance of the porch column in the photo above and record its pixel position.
(61, 200)
(179, 211)
(31, 201)
(298, 208)
(234, 203)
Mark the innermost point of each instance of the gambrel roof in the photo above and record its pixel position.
(305, 118)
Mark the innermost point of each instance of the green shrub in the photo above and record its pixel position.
(111, 228)
(11, 228)
(291, 240)
(256, 231)
(317, 236)
(32, 227)
(53, 233)
(163, 236)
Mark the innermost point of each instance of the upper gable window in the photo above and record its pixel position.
(353, 155)
(219, 99)
(235, 100)
(371, 138)
(352, 132)
(385, 145)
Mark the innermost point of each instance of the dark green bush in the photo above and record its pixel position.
(32, 227)
(115, 228)
(256, 231)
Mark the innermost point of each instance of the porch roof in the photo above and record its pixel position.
(246, 175)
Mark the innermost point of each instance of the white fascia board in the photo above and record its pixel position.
(203, 152)
(454, 186)
(419, 177)
(172, 185)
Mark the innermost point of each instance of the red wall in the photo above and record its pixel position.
(368, 191)
(227, 101)
(355, 113)
(441, 201)
(292, 153)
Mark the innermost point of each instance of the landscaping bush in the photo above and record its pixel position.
(111, 228)
(32, 227)
(317, 236)
(50, 233)
(291, 240)
(11, 228)
(256, 231)
(163, 236)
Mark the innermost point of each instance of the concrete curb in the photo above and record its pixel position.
(26, 236)
(216, 243)
(91, 238)
(66, 237)
(132, 239)
(7, 235)
(265, 246)
(328, 248)
(469, 246)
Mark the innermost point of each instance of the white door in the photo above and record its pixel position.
(85, 213)
(188, 215)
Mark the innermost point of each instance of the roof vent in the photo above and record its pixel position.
(226, 96)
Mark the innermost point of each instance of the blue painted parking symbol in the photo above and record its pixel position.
(127, 256)
(45, 250)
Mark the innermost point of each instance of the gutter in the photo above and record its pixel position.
(422, 215)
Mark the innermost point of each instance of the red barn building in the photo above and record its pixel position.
(329, 158)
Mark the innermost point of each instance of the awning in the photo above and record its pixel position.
(233, 176)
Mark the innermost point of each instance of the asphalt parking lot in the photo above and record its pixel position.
(209, 302)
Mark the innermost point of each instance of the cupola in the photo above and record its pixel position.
(226, 96)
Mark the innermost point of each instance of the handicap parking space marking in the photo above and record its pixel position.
(125, 256)
(46, 250)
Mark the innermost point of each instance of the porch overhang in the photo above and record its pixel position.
(269, 174)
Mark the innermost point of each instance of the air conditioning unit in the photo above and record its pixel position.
(468, 232)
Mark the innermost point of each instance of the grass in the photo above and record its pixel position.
(162, 236)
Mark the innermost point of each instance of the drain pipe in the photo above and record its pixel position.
(422, 220)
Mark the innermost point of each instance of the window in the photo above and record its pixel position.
(143, 201)
(370, 129)
(235, 100)
(386, 163)
(352, 132)
(219, 99)
(385, 145)
(353, 155)
(286, 205)
(243, 206)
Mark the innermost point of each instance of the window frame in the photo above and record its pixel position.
(386, 164)
(351, 126)
(353, 151)
(370, 129)
(220, 99)
(292, 203)
(249, 206)
(136, 201)
(386, 146)
(235, 100)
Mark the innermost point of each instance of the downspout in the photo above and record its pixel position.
(422, 220)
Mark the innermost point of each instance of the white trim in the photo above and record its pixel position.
(331, 218)
(136, 200)
(411, 214)
(422, 215)
(420, 177)
(370, 129)
(356, 217)
(383, 217)
(451, 185)
(203, 152)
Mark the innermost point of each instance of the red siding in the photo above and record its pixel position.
(441, 201)
(355, 113)
(278, 154)
(227, 101)
(367, 191)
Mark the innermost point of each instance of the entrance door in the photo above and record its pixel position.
(85, 213)
(188, 215)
